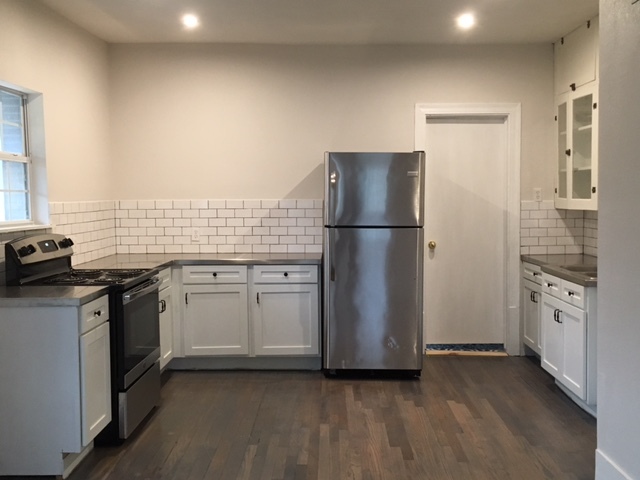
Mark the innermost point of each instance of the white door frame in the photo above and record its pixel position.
(510, 111)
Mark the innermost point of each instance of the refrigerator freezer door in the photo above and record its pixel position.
(374, 189)
(373, 298)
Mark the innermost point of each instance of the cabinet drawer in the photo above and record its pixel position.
(552, 285)
(285, 274)
(165, 278)
(214, 274)
(94, 313)
(532, 272)
(573, 294)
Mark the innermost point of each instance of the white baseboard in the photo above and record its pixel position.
(606, 469)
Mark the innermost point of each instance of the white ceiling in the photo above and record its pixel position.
(327, 21)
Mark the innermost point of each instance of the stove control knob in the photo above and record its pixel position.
(26, 250)
(65, 243)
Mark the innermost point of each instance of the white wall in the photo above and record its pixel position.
(618, 243)
(233, 121)
(43, 52)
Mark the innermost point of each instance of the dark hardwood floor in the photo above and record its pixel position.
(465, 418)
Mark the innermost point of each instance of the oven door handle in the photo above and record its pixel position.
(146, 287)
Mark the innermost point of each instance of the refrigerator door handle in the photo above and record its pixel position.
(331, 245)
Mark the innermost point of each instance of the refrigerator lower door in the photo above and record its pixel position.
(373, 298)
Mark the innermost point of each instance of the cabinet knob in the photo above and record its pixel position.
(215, 274)
(567, 151)
(97, 313)
(286, 274)
(431, 245)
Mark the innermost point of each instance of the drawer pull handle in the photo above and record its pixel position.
(571, 294)
(215, 274)
(286, 274)
(258, 298)
(97, 313)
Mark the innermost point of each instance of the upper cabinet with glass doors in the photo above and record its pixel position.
(576, 84)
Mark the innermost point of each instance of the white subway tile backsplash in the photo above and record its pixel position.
(235, 222)
(251, 204)
(199, 204)
(545, 230)
(181, 204)
(287, 203)
(164, 204)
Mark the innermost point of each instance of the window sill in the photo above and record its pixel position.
(24, 228)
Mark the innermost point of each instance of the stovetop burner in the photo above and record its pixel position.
(95, 277)
(124, 273)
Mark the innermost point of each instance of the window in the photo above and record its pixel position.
(15, 205)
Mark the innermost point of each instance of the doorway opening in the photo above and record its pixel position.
(472, 219)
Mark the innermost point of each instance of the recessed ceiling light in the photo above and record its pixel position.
(190, 21)
(466, 21)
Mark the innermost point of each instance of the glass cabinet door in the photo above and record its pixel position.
(562, 150)
(582, 154)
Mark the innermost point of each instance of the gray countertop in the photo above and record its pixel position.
(552, 264)
(49, 296)
(43, 296)
(151, 260)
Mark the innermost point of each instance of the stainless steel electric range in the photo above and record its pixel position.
(45, 259)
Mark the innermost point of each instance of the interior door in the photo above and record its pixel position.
(465, 229)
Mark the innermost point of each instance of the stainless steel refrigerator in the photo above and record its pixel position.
(373, 261)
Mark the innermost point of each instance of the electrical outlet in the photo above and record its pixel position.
(195, 235)
(537, 194)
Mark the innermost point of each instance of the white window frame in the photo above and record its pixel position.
(23, 159)
(33, 125)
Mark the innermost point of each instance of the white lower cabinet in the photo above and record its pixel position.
(165, 307)
(56, 377)
(284, 314)
(251, 310)
(569, 338)
(95, 381)
(531, 298)
(216, 320)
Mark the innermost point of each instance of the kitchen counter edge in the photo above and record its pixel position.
(49, 296)
(551, 264)
(160, 261)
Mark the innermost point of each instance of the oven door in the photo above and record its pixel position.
(140, 329)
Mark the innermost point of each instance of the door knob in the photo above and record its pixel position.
(431, 245)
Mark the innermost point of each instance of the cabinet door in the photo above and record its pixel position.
(531, 314)
(552, 336)
(576, 57)
(95, 381)
(166, 327)
(562, 120)
(577, 155)
(216, 320)
(574, 373)
(286, 319)
(583, 148)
